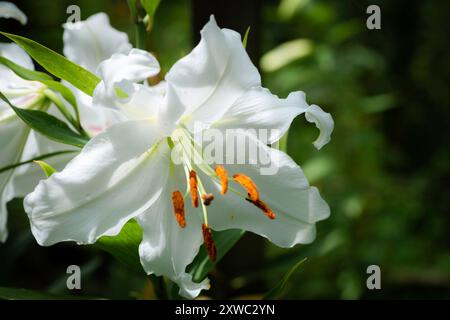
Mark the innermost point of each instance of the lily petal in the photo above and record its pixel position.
(10, 10)
(89, 42)
(216, 73)
(117, 176)
(13, 136)
(94, 118)
(118, 74)
(166, 249)
(297, 205)
(259, 109)
(324, 122)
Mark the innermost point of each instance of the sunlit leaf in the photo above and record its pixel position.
(125, 246)
(64, 91)
(57, 64)
(48, 169)
(24, 72)
(286, 53)
(288, 8)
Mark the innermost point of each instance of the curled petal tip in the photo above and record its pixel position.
(10, 10)
(323, 121)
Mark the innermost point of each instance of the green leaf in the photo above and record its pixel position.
(133, 9)
(150, 7)
(42, 157)
(24, 72)
(48, 169)
(244, 41)
(125, 246)
(57, 65)
(224, 241)
(48, 125)
(26, 294)
(64, 91)
(277, 291)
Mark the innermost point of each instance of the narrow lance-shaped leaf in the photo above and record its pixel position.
(48, 125)
(48, 169)
(24, 72)
(57, 64)
(277, 291)
(64, 91)
(244, 41)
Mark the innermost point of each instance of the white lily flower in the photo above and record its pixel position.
(128, 171)
(10, 10)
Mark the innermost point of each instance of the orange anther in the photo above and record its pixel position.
(264, 207)
(193, 187)
(178, 208)
(223, 175)
(248, 184)
(209, 243)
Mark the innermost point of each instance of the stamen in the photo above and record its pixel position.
(207, 199)
(248, 184)
(264, 207)
(193, 186)
(178, 208)
(209, 243)
(223, 175)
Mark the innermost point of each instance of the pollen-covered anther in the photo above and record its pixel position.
(209, 243)
(223, 176)
(264, 207)
(178, 208)
(248, 184)
(207, 198)
(193, 187)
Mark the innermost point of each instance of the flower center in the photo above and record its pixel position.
(190, 154)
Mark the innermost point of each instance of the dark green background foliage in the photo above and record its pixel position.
(385, 173)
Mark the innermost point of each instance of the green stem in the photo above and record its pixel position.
(139, 26)
(42, 157)
(61, 107)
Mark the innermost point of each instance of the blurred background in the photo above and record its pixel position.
(385, 174)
